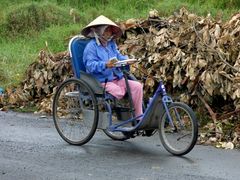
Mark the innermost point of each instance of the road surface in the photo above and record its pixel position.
(30, 148)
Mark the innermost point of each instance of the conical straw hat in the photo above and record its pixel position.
(101, 20)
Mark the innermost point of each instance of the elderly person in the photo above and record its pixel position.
(99, 58)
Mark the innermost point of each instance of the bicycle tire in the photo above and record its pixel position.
(187, 124)
(75, 111)
(117, 136)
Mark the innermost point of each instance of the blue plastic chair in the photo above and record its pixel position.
(76, 47)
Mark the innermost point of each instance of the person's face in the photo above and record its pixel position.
(107, 34)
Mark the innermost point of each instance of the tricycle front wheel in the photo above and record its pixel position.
(178, 129)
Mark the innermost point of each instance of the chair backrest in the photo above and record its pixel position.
(76, 47)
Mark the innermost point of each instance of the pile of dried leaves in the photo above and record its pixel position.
(198, 59)
(42, 79)
(188, 51)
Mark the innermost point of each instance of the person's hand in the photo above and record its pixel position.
(111, 63)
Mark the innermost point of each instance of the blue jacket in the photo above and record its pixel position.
(95, 58)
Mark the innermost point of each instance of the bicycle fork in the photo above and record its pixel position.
(167, 100)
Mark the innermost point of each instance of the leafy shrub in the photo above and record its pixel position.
(35, 17)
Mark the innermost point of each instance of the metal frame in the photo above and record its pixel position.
(160, 100)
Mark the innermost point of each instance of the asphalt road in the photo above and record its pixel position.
(31, 149)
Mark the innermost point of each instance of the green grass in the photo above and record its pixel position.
(202, 7)
(15, 56)
(25, 25)
(14, 59)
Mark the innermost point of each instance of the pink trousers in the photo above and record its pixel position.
(118, 89)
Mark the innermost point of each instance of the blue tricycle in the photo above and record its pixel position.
(81, 105)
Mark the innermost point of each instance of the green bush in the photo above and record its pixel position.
(34, 17)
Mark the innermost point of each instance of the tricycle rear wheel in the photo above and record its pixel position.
(75, 111)
(117, 136)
